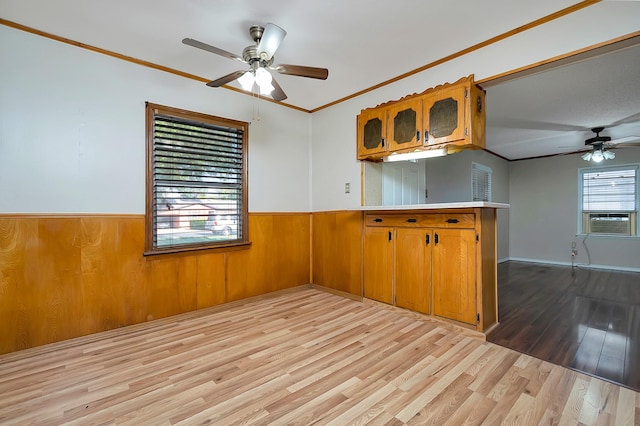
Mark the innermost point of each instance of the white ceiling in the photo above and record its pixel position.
(364, 43)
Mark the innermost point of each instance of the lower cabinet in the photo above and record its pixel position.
(378, 256)
(412, 269)
(433, 264)
(453, 278)
(398, 267)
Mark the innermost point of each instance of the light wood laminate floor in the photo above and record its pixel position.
(305, 357)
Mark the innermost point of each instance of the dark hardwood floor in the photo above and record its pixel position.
(584, 319)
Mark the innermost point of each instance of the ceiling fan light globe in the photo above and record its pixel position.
(246, 81)
(266, 89)
(597, 156)
(587, 156)
(609, 155)
(263, 77)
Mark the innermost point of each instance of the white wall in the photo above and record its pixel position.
(334, 129)
(72, 136)
(544, 214)
(72, 131)
(449, 180)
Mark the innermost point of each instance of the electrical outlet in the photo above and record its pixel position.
(347, 188)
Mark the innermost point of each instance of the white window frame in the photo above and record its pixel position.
(635, 231)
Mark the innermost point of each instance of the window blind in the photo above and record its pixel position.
(610, 191)
(480, 182)
(197, 171)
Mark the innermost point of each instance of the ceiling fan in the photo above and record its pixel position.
(599, 143)
(259, 57)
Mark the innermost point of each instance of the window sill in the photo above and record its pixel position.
(235, 246)
(615, 236)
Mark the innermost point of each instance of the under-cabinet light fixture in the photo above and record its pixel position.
(417, 155)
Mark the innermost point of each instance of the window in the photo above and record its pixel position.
(196, 181)
(480, 182)
(609, 200)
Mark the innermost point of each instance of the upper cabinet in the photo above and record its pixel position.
(448, 115)
(372, 127)
(404, 124)
(444, 117)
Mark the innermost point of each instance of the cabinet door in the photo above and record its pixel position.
(378, 264)
(453, 274)
(404, 123)
(444, 115)
(372, 127)
(413, 269)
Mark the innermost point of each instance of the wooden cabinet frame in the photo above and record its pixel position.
(468, 130)
(478, 225)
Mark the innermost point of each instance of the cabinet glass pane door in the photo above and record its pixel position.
(444, 116)
(404, 125)
(373, 133)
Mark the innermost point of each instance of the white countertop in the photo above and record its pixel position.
(458, 205)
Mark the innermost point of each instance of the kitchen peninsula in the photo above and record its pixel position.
(437, 259)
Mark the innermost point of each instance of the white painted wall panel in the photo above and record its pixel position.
(334, 132)
(72, 131)
(544, 214)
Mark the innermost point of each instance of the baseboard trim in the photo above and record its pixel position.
(579, 265)
(341, 293)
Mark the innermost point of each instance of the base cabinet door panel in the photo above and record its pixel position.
(453, 272)
(378, 258)
(413, 269)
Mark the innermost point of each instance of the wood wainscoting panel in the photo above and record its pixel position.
(278, 257)
(210, 280)
(337, 250)
(114, 272)
(38, 278)
(171, 286)
(65, 276)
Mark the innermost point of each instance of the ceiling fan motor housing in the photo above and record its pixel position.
(250, 56)
(597, 139)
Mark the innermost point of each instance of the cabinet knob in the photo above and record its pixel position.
(435, 239)
(452, 221)
(377, 220)
(412, 220)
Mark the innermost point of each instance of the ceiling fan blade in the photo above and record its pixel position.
(212, 49)
(630, 119)
(277, 94)
(300, 71)
(226, 79)
(626, 141)
(270, 41)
